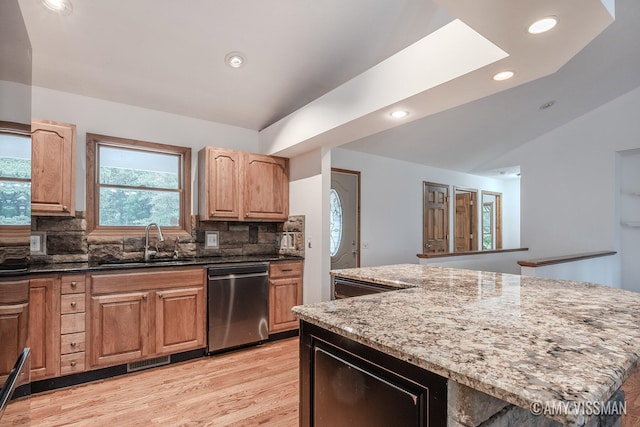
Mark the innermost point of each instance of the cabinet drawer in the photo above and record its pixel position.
(71, 323)
(72, 343)
(72, 283)
(70, 363)
(285, 269)
(72, 303)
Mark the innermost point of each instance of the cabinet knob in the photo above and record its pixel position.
(74, 285)
(73, 363)
(65, 208)
(246, 215)
(144, 296)
(73, 304)
(160, 295)
(73, 344)
(212, 213)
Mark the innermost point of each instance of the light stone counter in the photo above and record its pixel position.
(523, 340)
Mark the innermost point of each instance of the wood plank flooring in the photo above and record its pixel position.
(251, 387)
(257, 386)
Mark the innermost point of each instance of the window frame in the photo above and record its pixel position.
(13, 128)
(93, 199)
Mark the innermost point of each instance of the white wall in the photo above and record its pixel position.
(569, 181)
(310, 179)
(14, 102)
(391, 204)
(630, 219)
(109, 118)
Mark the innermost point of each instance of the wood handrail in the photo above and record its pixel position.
(540, 262)
(454, 254)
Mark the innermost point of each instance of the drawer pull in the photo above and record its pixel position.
(73, 304)
(144, 296)
(212, 213)
(74, 284)
(284, 270)
(65, 208)
(73, 363)
(160, 295)
(73, 344)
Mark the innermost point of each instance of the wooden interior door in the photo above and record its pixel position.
(436, 218)
(465, 235)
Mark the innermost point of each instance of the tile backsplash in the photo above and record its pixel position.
(67, 240)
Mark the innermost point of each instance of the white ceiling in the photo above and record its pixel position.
(167, 56)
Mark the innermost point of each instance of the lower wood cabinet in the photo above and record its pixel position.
(285, 292)
(142, 314)
(44, 327)
(14, 312)
(72, 324)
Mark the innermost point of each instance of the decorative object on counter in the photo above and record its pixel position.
(292, 237)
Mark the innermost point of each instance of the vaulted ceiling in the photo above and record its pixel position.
(169, 56)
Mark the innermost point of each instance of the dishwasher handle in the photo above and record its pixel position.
(236, 276)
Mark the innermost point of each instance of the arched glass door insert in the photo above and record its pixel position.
(335, 219)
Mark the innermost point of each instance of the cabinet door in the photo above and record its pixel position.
(180, 320)
(44, 327)
(53, 168)
(220, 192)
(14, 310)
(283, 295)
(13, 335)
(266, 187)
(119, 328)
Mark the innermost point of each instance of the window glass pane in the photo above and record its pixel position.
(124, 207)
(335, 218)
(139, 168)
(15, 156)
(15, 203)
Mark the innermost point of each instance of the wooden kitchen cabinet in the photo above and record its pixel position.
(235, 185)
(44, 327)
(119, 328)
(285, 292)
(52, 168)
(72, 347)
(219, 183)
(137, 315)
(266, 187)
(14, 312)
(180, 320)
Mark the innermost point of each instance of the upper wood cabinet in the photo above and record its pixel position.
(266, 187)
(219, 183)
(238, 186)
(52, 168)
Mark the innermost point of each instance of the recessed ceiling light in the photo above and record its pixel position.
(543, 25)
(235, 59)
(399, 114)
(62, 7)
(546, 105)
(503, 75)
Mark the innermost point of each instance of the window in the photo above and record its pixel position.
(487, 226)
(133, 183)
(335, 218)
(15, 178)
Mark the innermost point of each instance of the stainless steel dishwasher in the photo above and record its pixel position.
(238, 305)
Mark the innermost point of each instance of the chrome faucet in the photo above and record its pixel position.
(147, 253)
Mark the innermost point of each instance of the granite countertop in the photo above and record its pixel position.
(71, 267)
(521, 339)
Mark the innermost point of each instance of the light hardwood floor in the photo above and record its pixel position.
(257, 386)
(251, 387)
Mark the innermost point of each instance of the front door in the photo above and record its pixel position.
(344, 217)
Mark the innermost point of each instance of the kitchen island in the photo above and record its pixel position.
(511, 350)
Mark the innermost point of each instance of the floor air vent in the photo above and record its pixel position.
(149, 363)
